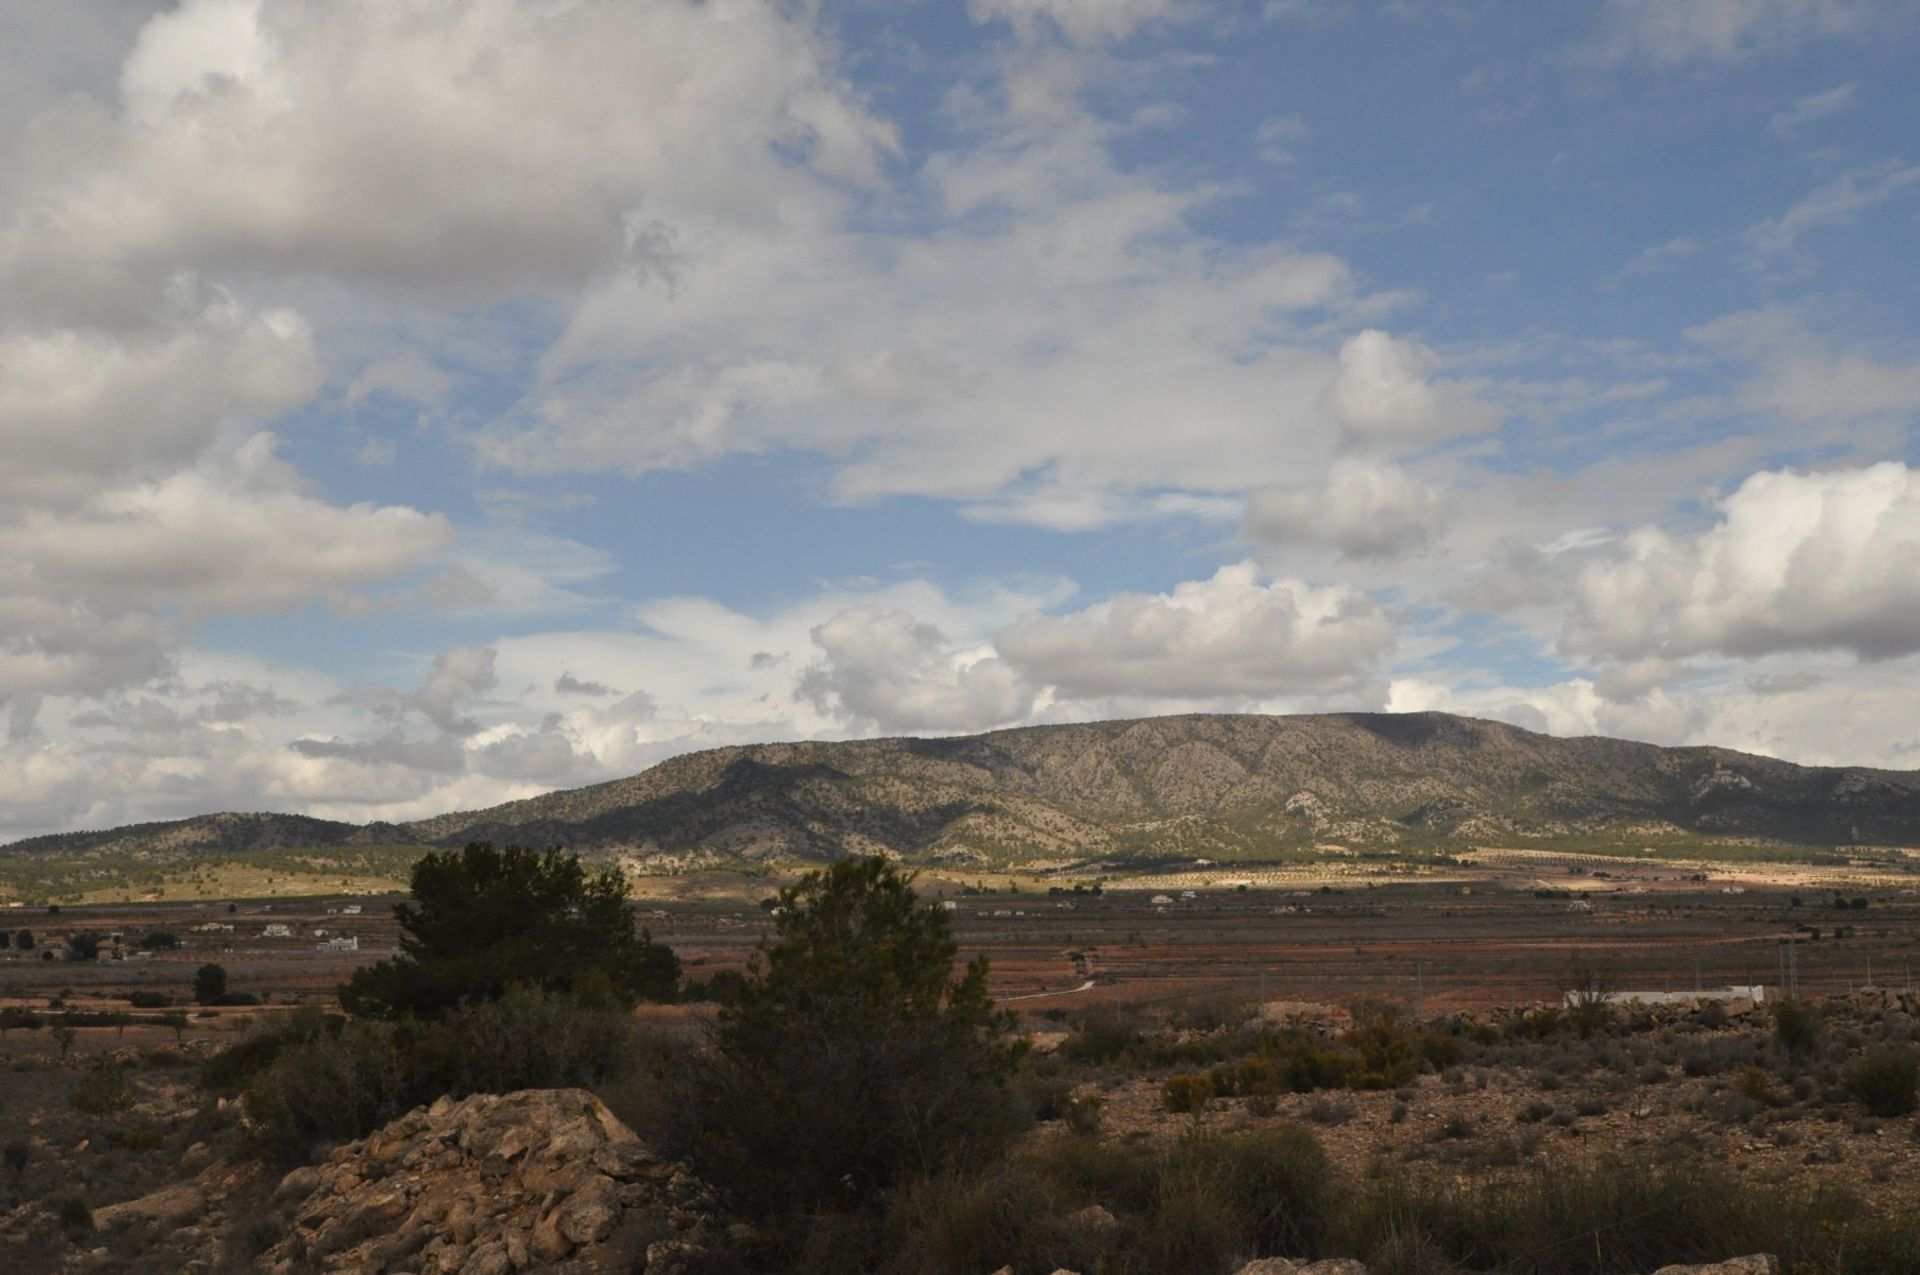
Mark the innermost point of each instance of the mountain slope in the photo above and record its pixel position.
(1216, 785)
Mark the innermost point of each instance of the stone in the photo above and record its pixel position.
(1752, 1264)
(1286, 1266)
(488, 1259)
(590, 1212)
(1094, 1219)
(549, 1244)
(298, 1185)
(170, 1206)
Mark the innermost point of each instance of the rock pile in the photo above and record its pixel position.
(494, 1184)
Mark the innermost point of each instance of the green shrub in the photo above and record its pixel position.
(101, 1091)
(531, 1039)
(1796, 1027)
(1886, 1080)
(1200, 1204)
(145, 1136)
(1441, 1050)
(319, 1080)
(1187, 1094)
(1082, 1114)
(1614, 1218)
(1388, 1056)
(1103, 1035)
(483, 918)
(76, 1218)
(209, 983)
(853, 1060)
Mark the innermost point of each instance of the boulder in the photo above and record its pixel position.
(1286, 1266)
(1754, 1264)
(170, 1206)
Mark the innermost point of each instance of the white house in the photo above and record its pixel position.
(339, 943)
(277, 930)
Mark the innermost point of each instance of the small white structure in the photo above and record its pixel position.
(352, 909)
(277, 930)
(339, 943)
(1161, 900)
(1755, 994)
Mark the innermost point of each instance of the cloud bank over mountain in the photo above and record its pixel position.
(413, 405)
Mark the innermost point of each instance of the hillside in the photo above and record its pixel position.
(1218, 786)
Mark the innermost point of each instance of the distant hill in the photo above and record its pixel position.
(1226, 787)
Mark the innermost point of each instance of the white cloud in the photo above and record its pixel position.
(901, 675)
(79, 405)
(1804, 378)
(1835, 203)
(535, 142)
(1363, 510)
(1083, 21)
(1229, 635)
(1384, 394)
(1669, 33)
(1054, 341)
(233, 533)
(1811, 108)
(1795, 562)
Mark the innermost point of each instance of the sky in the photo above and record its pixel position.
(412, 405)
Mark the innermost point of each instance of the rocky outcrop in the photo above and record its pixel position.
(1756, 1264)
(494, 1184)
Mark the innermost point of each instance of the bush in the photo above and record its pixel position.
(484, 918)
(209, 983)
(1388, 1056)
(1187, 1095)
(76, 1219)
(1103, 1035)
(101, 1091)
(852, 1061)
(19, 1016)
(319, 1079)
(1614, 1218)
(1796, 1027)
(1441, 1051)
(1886, 1080)
(1198, 1205)
(1082, 1115)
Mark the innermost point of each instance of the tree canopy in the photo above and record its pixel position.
(851, 1057)
(484, 918)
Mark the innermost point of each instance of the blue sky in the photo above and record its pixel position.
(412, 406)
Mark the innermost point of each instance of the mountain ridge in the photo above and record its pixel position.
(1228, 786)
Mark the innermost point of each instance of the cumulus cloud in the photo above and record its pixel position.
(458, 677)
(234, 533)
(886, 668)
(1384, 394)
(1363, 510)
(80, 405)
(1230, 635)
(270, 134)
(568, 684)
(1059, 343)
(1794, 562)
